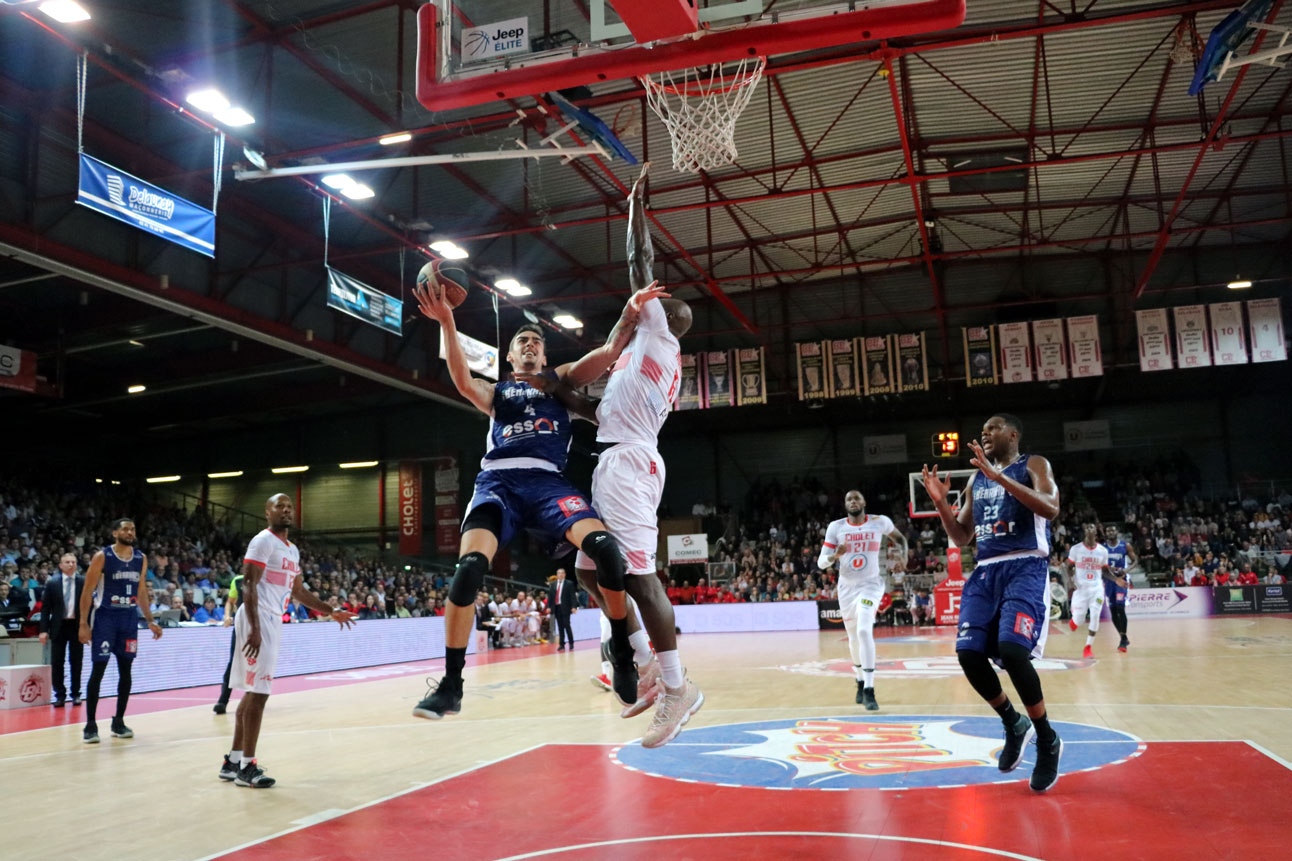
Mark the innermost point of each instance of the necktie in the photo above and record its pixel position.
(69, 590)
(558, 594)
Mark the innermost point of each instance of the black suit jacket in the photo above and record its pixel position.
(567, 597)
(52, 609)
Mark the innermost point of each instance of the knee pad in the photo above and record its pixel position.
(468, 578)
(602, 548)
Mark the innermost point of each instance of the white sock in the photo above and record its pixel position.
(868, 678)
(856, 671)
(640, 642)
(244, 761)
(1090, 639)
(607, 670)
(670, 668)
(235, 756)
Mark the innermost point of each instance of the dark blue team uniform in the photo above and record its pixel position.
(528, 445)
(115, 627)
(1006, 598)
(1117, 562)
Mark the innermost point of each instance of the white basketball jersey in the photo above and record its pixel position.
(861, 560)
(281, 560)
(1089, 562)
(642, 384)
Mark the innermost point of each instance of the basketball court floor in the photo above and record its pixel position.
(1178, 749)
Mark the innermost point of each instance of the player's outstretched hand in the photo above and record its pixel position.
(342, 617)
(639, 187)
(980, 461)
(939, 488)
(651, 291)
(547, 382)
(432, 305)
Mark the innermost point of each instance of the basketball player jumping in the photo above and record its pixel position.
(1004, 606)
(856, 543)
(1088, 569)
(521, 485)
(628, 482)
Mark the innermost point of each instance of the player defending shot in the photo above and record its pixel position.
(521, 486)
(856, 543)
(1088, 570)
(1005, 603)
(1120, 558)
(271, 576)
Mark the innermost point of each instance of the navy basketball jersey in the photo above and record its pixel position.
(119, 587)
(528, 428)
(1002, 524)
(1117, 556)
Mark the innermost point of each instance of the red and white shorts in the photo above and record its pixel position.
(627, 486)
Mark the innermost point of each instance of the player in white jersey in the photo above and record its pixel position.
(856, 542)
(271, 572)
(1087, 569)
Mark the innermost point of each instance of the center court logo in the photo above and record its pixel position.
(897, 752)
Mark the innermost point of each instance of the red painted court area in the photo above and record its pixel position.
(1177, 801)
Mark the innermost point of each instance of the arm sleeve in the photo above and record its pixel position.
(827, 547)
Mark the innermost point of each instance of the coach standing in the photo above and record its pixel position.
(560, 597)
(60, 618)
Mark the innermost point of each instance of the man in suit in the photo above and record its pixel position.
(60, 618)
(560, 597)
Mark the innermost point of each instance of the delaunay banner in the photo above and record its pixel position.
(127, 198)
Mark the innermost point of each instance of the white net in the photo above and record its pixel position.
(699, 107)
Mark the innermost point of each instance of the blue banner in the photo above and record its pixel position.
(126, 198)
(357, 299)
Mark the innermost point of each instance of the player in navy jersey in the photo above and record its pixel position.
(117, 591)
(1120, 558)
(521, 486)
(1004, 609)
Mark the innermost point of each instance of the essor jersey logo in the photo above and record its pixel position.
(935, 667)
(890, 752)
(541, 426)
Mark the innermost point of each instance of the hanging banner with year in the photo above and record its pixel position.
(1015, 353)
(1228, 339)
(1192, 340)
(1265, 316)
(814, 382)
(1154, 340)
(877, 365)
(912, 363)
(717, 379)
(689, 394)
(1085, 356)
(1051, 353)
(753, 379)
(843, 368)
(980, 356)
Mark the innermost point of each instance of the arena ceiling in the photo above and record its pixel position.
(867, 198)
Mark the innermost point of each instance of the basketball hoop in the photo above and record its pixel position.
(699, 107)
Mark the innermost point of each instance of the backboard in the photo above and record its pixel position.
(471, 52)
(921, 505)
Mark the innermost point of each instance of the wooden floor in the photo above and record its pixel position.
(347, 742)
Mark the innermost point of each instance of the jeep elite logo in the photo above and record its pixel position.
(32, 690)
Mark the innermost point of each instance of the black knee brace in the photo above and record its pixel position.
(602, 548)
(1017, 661)
(979, 672)
(468, 578)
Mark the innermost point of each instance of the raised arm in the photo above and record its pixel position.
(477, 391)
(959, 527)
(583, 371)
(574, 401)
(641, 250)
(1042, 498)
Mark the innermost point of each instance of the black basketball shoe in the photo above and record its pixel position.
(446, 699)
(861, 696)
(625, 681)
(1016, 738)
(1046, 772)
(228, 769)
(254, 776)
(868, 699)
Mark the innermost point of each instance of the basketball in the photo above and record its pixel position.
(445, 280)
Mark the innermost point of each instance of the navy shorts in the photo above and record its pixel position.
(534, 499)
(115, 632)
(1006, 601)
(1114, 593)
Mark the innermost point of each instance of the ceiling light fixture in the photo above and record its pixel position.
(338, 181)
(358, 191)
(512, 287)
(209, 100)
(567, 321)
(234, 474)
(234, 117)
(1239, 285)
(449, 250)
(390, 140)
(359, 464)
(280, 470)
(64, 11)
(162, 479)
(136, 388)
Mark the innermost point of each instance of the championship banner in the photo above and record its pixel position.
(912, 363)
(877, 365)
(17, 369)
(689, 395)
(482, 358)
(351, 296)
(814, 382)
(1015, 353)
(1154, 340)
(1085, 356)
(980, 356)
(888, 448)
(1227, 336)
(1192, 340)
(410, 508)
(1265, 317)
(843, 368)
(448, 513)
(753, 380)
(117, 194)
(717, 378)
(1051, 351)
